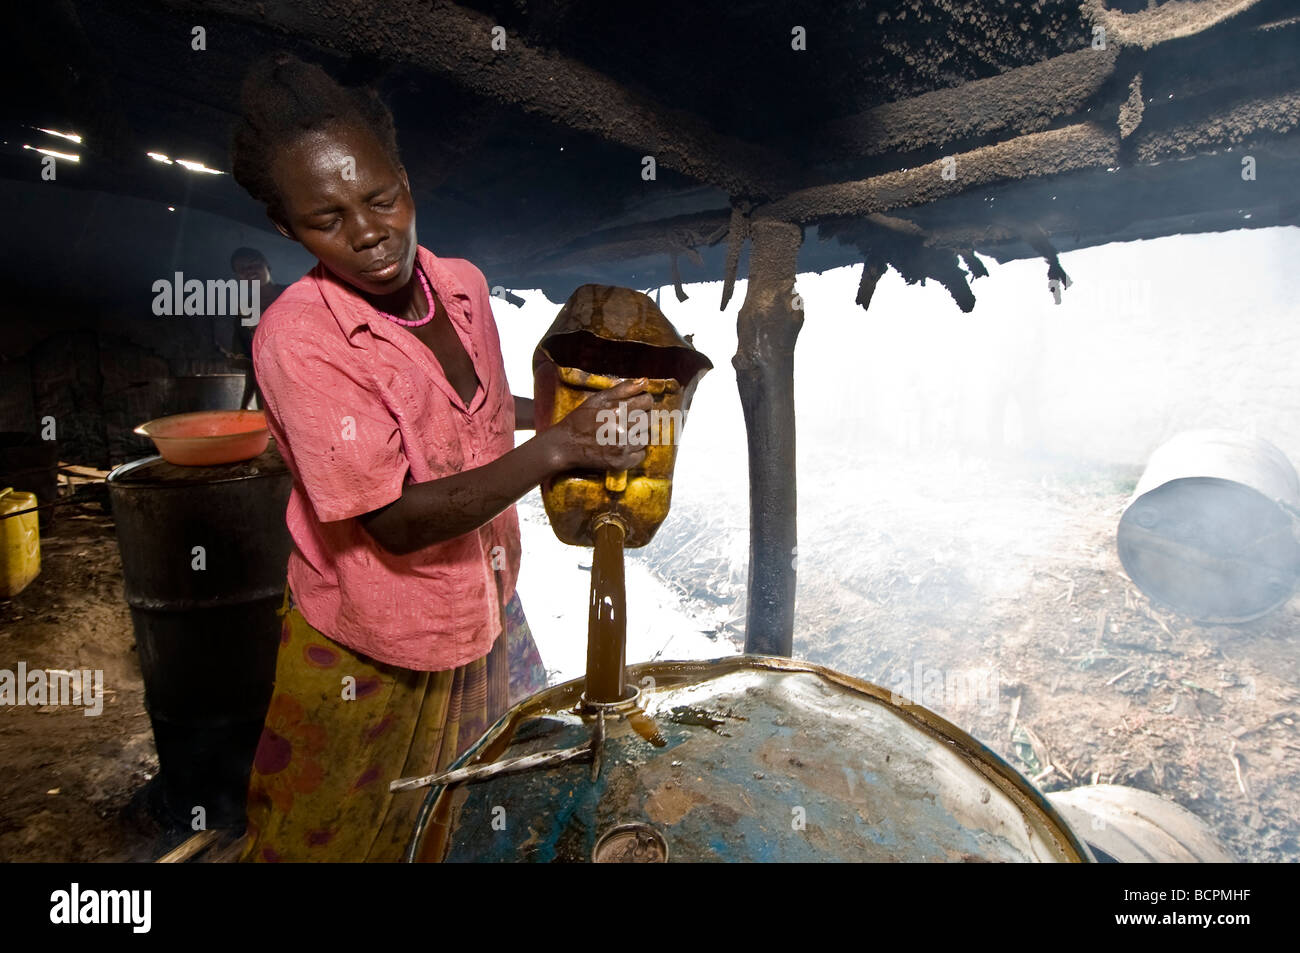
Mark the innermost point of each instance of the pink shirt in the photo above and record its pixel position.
(359, 407)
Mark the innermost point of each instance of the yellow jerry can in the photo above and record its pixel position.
(20, 542)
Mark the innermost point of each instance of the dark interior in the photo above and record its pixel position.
(596, 355)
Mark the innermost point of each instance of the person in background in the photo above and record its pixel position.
(249, 264)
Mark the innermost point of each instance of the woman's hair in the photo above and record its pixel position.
(283, 98)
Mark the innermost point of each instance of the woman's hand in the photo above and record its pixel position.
(581, 439)
(442, 509)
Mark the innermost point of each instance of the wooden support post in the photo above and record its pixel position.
(768, 326)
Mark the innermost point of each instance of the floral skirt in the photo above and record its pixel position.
(331, 744)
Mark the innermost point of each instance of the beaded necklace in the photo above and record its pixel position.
(428, 294)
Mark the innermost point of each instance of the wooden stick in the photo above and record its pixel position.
(1120, 675)
(1244, 731)
(1236, 766)
(194, 845)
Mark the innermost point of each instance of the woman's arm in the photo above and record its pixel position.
(442, 509)
(524, 414)
(439, 510)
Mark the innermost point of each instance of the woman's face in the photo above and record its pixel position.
(350, 206)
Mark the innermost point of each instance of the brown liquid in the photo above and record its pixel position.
(607, 617)
(645, 726)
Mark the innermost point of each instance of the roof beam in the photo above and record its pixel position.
(1072, 148)
(1277, 114)
(1160, 24)
(1081, 146)
(456, 42)
(1028, 98)
(1084, 145)
(1025, 99)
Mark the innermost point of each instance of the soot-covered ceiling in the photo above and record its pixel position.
(907, 134)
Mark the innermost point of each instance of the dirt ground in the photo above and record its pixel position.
(977, 587)
(77, 787)
(1000, 576)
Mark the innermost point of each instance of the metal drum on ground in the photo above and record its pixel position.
(754, 758)
(1130, 826)
(1210, 529)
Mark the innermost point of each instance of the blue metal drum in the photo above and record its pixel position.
(754, 758)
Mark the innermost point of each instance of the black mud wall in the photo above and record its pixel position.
(81, 343)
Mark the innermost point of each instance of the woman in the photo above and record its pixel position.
(386, 393)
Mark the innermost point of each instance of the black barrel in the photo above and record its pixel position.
(183, 395)
(207, 637)
(29, 463)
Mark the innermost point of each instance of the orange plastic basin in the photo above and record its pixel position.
(207, 438)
